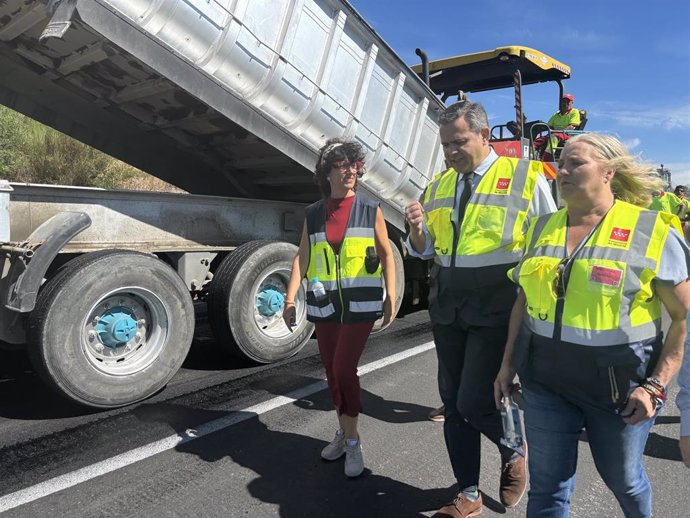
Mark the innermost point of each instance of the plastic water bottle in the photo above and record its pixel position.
(513, 426)
(318, 289)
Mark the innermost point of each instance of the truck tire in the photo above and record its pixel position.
(245, 303)
(399, 287)
(111, 328)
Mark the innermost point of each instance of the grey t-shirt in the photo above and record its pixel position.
(675, 260)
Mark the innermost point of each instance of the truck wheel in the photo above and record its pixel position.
(246, 299)
(399, 287)
(111, 328)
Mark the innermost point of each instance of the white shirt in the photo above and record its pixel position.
(541, 203)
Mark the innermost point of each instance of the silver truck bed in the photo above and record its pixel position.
(224, 97)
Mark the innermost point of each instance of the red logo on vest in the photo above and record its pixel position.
(620, 234)
(502, 184)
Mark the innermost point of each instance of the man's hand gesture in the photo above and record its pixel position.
(414, 214)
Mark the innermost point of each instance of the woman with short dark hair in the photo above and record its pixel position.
(343, 248)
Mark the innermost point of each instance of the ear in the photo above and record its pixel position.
(609, 174)
(485, 132)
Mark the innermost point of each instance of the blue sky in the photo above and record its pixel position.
(630, 60)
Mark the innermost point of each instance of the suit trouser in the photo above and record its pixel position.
(469, 359)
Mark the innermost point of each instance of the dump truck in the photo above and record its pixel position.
(229, 100)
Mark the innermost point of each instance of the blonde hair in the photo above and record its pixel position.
(633, 181)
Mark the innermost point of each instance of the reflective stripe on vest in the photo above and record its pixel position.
(356, 282)
(321, 313)
(353, 294)
(609, 299)
(493, 226)
(599, 338)
(364, 306)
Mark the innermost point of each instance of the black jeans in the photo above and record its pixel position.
(469, 359)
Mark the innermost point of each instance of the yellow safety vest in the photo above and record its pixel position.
(609, 299)
(492, 231)
(667, 202)
(353, 293)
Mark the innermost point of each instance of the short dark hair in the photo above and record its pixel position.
(473, 113)
(679, 188)
(333, 151)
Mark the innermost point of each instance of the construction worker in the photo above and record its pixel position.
(566, 118)
(471, 220)
(668, 202)
(593, 281)
(683, 214)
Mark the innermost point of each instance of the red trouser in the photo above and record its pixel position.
(341, 346)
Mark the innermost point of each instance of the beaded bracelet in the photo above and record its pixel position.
(656, 395)
(658, 386)
(653, 392)
(656, 383)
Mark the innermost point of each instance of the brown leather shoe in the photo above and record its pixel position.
(438, 415)
(513, 481)
(461, 507)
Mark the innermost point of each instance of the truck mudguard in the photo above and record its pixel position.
(27, 271)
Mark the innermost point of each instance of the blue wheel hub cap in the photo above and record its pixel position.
(117, 326)
(269, 301)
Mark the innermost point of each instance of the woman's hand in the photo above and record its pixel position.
(503, 385)
(289, 315)
(387, 311)
(639, 407)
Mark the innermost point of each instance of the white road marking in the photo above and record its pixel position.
(32, 493)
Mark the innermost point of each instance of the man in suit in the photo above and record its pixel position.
(471, 220)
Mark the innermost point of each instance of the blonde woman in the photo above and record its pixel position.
(593, 280)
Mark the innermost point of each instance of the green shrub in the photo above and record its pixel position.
(33, 153)
(10, 143)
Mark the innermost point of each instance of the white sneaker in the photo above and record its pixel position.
(354, 461)
(336, 448)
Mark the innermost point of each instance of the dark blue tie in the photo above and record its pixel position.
(465, 196)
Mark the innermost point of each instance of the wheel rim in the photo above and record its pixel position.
(125, 331)
(269, 301)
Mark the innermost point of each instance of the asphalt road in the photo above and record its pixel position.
(232, 440)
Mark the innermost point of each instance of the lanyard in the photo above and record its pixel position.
(569, 258)
(568, 261)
